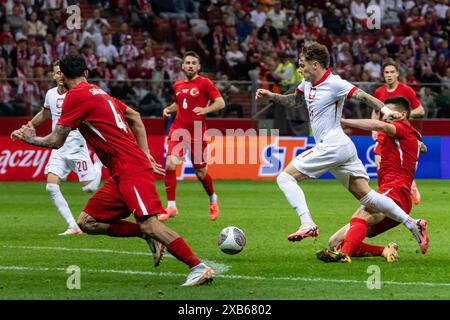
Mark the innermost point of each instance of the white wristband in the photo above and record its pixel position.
(386, 111)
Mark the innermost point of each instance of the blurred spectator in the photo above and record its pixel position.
(277, 16)
(40, 59)
(107, 50)
(6, 32)
(149, 103)
(428, 101)
(325, 39)
(441, 8)
(118, 39)
(430, 78)
(443, 103)
(349, 25)
(258, 15)
(96, 21)
(373, 67)
(89, 58)
(50, 46)
(411, 80)
(36, 27)
(137, 70)
(54, 4)
(297, 30)
(16, 20)
(287, 73)
(141, 15)
(315, 15)
(268, 28)
(446, 79)
(122, 91)
(358, 11)
(244, 28)
(7, 107)
(28, 92)
(334, 22)
(227, 89)
(63, 47)
(236, 61)
(103, 72)
(161, 81)
(128, 52)
(176, 74)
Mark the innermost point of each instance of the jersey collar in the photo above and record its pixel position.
(324, 77)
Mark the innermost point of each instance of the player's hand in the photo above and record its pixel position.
(392, 117)
(26, 132)
(15, 135)
(423, 148)
(374, 135)
(157, 168)
(200, 111)
(263, 95)
(166, 112)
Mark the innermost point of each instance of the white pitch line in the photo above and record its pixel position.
(171, 274)
(218, 267)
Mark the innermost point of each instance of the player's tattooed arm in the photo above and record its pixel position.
(374, 103)
(54, 140)
(288, 100)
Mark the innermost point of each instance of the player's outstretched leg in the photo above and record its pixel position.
(415, 194)
(296, 198)
(121, 229)
(170, 182)
(370, 198)
(200, 272)
(63, 208)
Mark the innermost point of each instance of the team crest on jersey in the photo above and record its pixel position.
(194, 92)
(312, 93)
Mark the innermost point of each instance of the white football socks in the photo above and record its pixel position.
(61, 204)
(213, 198)
(172, 204)
(295, 196)
(389, 208)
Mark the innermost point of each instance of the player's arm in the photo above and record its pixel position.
(371, 125)
(167, 111)
(374, 116)
(133, 118)
(218, 104)
(287, 100)
(418, 112)
(40, 117)
(54, 140)
(374, 103)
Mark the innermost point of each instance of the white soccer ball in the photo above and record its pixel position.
(231, 240)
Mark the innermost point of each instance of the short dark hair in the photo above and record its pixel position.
(72, 66)
(191, 54)
(400, 103)
(55, 63)
(318, 52)
(388, 63)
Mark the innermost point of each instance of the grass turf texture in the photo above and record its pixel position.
(269, 267)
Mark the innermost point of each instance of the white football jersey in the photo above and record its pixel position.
(54, 102)
(325, 101)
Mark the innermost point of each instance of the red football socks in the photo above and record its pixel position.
(180, 250)
(124, 228)
(170, 181)
(208, 184)
(355, 236)
(365, 248)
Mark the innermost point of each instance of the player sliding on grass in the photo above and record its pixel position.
(73, 156)
(192, 102)
(118, 136)
(400, 151)
(325, 94)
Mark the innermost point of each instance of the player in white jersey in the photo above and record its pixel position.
(72, 156)
(334, 151)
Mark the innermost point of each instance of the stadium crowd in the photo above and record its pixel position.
(244, 40)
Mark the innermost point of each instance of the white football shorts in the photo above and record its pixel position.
(73, 156)
(342, 161)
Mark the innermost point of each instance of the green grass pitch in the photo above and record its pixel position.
(34, 259)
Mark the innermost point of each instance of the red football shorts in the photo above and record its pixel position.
(378, 143)
(402, 197)
(118, 199)
(197, 150)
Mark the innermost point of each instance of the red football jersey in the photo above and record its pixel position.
(189, 95)
(402, 90)
(100, 119)
(400, 155)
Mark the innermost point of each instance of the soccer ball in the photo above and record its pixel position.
(231, 240)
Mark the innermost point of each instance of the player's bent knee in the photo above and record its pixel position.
(87, 224)
(89, 188)
(52, 188)
(285, 177)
